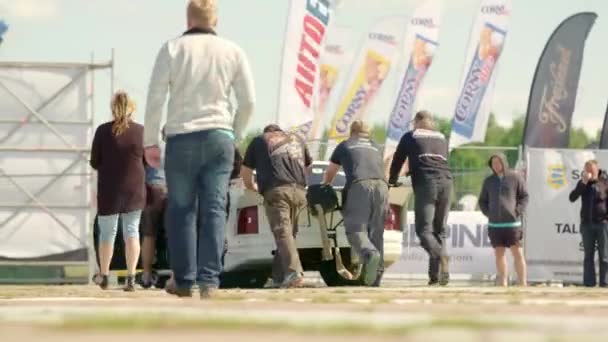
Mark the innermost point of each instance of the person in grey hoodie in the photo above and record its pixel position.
(503, 200)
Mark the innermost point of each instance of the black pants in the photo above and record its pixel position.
(595, 235)
(431, 205)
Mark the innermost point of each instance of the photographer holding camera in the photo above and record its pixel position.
(593, 191)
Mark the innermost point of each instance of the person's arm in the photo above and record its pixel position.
(244, 91)
(484, 199)
(95, 161)
(247, 175)
(157, 96)
(335, 161)
(400, 156)
(330, 173)
(578, 191)
(308, 161)
(249, 164)
(522, 196)
(236, 166)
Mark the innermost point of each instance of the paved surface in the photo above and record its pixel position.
(65, 313)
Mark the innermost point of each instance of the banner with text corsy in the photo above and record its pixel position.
(420, 44)
(371, 67)
(487, 41)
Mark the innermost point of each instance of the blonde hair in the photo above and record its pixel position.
(123, 108)
(424, 120)
(203, 12)
(359, 128)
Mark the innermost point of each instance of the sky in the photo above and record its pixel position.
(73, 30)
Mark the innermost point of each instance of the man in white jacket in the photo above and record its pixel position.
(198, 70)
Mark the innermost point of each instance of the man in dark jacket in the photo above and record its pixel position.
(426, 151)
(593, 191)
(281, 160)
(503, 200)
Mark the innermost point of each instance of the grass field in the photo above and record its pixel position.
(65, 313)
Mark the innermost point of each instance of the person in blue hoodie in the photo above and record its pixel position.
(503, 200)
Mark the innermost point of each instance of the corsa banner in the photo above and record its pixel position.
(421, 41)
(336, 56)
(487, 41)
(371, 68)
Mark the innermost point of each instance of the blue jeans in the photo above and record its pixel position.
(197, 168)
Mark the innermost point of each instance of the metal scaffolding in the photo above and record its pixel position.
(33, 117)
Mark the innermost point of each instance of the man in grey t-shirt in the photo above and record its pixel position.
(364, 217)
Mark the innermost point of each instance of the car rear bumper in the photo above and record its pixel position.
(256, 251)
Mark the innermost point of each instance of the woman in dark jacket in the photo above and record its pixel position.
(117, 155)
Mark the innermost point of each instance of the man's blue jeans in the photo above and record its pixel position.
(197, 167)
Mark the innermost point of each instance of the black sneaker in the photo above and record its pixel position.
(130, 284)
(433, 282)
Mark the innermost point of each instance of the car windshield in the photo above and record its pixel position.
(316, 177)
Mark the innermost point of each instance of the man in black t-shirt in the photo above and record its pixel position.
(281, 160)
(365, 197)
(426, 151)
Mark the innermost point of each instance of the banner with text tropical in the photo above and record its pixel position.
(371, 67)
(487, 41)
(555, 84)
(421, 41)
(307, 24)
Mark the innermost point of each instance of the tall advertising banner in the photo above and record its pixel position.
(370, 69)
(555, 84)
(335, 58)
(306, 28)
(604, 134)
(552, 236)
(419, 47)
(487, 40)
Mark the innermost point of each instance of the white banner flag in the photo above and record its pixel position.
(336, 56)
(487, 40)
(307, 25)
(552, 237)
(372, 65)
(419, 47)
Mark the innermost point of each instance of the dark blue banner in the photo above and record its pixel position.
(604, 136)
(555, 84)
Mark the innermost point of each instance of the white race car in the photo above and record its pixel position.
(251, 244)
